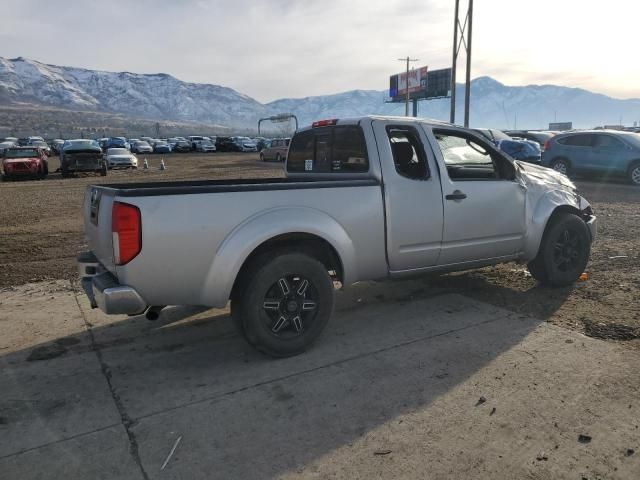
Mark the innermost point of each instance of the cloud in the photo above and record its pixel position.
(290, 48)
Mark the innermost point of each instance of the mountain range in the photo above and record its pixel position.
(163, 97)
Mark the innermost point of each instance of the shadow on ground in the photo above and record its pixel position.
(391, 348)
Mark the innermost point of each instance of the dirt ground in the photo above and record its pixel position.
(41, 233)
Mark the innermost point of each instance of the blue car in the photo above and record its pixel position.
(516, 148)
(116, 142)
(602, 152)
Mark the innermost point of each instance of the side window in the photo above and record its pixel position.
(328, 150)
(466, 158)
(408, 152)
(576, 140)
(608, 141)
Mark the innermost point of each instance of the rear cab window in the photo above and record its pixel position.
(329, 149)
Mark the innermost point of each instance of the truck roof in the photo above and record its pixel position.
(357, 120)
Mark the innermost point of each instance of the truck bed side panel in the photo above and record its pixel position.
(183, 234)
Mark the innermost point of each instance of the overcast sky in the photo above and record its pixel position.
(271, 49)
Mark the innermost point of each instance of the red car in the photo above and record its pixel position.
(24, 162)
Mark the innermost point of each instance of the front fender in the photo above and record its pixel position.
(543, 208)
(263, 226)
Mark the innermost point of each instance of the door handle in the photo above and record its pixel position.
(456, 195)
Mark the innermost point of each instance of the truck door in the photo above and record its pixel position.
(412, 196)
(484, 204)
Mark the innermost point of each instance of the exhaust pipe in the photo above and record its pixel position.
(153, 313)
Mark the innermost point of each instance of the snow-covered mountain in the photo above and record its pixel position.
(164, 97)
(492, 105)
(159, 96)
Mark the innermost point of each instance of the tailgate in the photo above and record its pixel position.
(97, 223)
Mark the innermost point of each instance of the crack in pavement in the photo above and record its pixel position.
(126, 420)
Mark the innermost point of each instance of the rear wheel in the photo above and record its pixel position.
(284, 303)
(634, 174)
(564, 251)
(560, 165)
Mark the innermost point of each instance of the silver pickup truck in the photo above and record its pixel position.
(364, 198)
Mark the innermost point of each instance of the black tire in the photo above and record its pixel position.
(278, 323)
(278, 157)
(561, 165)
(564, 251)
(633, 174)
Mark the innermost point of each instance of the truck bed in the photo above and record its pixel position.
(195, 232)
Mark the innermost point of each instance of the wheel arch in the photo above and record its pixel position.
(549, 207)
(296, 228)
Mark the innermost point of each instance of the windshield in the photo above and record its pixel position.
(39, 144)
(141, 144)
(81, 144)
(24, 153)
(117, 151)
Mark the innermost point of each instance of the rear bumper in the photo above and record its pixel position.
(104, 291)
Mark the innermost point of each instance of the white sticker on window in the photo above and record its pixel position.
(308, 165)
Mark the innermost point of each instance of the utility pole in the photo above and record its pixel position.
(467, 91)
(406, 103)
(462, 29)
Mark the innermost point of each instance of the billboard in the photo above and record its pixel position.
(561, 126)
(421, 83)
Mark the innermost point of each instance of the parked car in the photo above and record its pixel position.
(42, 145)
(194, 139)
(141, 147)
(56, 145)
(4, 145)
(226, 144)
(34, 138)
(24, 162)
(161, 147)
(518, 149)
(23, 142)
(121, 158)
(116, 142)
(539, 137)
(182, 146)
(82, 156)
(351, 209)
(603, 152)
(245, 144)
(277, 150)
(10, 139)
(205, 146)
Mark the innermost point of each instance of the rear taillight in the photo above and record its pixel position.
(545, 146)
(126, 228)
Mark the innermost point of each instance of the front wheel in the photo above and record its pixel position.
(284, 304)
(564, 251)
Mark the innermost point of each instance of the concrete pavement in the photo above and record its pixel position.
(405, 383)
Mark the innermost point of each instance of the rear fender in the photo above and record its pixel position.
(263, 226)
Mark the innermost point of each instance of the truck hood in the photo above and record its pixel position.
(543, 176)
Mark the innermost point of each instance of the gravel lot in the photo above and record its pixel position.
(41, 232)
